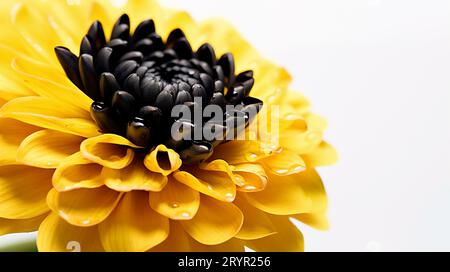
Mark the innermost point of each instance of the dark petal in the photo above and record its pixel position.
(227, 64)
(192, 81)
(121, 31)
(169, 54)
(164, 101)
(206, 53)
(118, 45)
(156, 56)
(144, 29)
(208, 83)
(148, 64)
(219, 87)
(183, 86)
(103, 60)
(252, 106)
(145, 46)
(108, 86)
(141, 71)
(104, 117)
(244, 76)
(218, 99)
(123, 19)
(171, 89)
(89, 76)
(175, 35)
(86, 46)
(182, 97)
(131, 85)
(236, 95)
(152, 116)
(69, 63)
(97, 35)
(124, 69)
(248, 85)
(247, 80)
(196, 153)
(218, 131)
(178, 138)
(203, 66)
(133, 55)
(183, 48)
(185, 63)
(138, 133)
(199, 91)
(124, 103)
(218, 73)
(157, 41)
(150, 90)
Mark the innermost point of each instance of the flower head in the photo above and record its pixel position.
(94, 154)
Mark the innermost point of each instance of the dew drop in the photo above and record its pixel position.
(175, 205)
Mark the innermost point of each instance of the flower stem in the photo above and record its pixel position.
(24, 244)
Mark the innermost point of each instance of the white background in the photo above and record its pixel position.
(379, 71)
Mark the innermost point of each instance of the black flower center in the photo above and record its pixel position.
(136, 79)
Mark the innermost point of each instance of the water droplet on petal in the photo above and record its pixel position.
(175, 205)
(186, 215)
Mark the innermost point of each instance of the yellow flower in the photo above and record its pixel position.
(112, 181)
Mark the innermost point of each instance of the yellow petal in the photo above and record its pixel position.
(232, 245)
(134, 177)
(257, 224)
(109, 150)
(210, 180)
(163, 160)
(57, 235)
(318, 221)
(23, 190)
(176, 201)
(284, 162)
(236, 152)
(286, 195)
(177, 241)
(76, 172)
(287, 239)
(20, 225)
(83, 207)
(252, 176)
(49, 113)
(50, 81)
(323, 155)
(47, 148)
(133, 226)
(27, 21)
(215, 222)
(12, 133)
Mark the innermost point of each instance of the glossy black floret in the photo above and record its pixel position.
(135, 80)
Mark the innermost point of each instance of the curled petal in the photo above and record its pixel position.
(252, 177)
(176, 201)
(323, 155)
(57, 235)
(219, 184)
(83, 207)
(284, 162)
(133, 226)
(287, 239)
(286, 195)
(318, 221)
(109, 150)
(134, 177)
(77, 172)
(23, 190)
(47, 148)
(215, 222)
(163, 160)
(12, 133)
(257, 224)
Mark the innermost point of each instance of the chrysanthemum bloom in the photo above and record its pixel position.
(86, 153)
